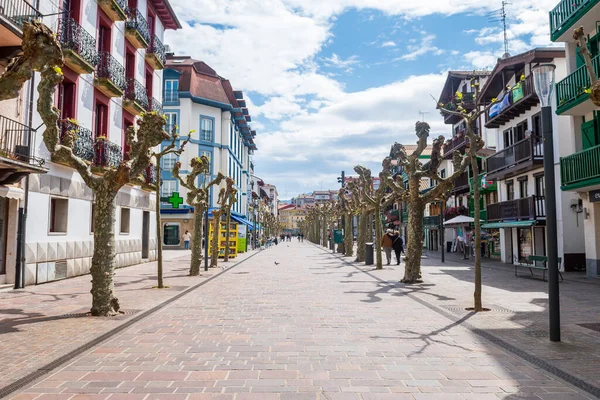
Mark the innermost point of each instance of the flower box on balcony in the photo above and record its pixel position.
(114, 9)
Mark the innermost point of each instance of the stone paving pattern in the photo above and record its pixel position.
(312, 327)
(37, 324)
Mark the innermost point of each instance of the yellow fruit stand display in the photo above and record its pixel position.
(233, 238)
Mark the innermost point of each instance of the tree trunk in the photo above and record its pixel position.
(476, 209)
(159, 255)
(362, 237)
(331, 229)
(378, 235)
(197, 241)
(325, 238)
(228, 219)
(349, 236)
(104, 302)
(214, 254)
(414, 245)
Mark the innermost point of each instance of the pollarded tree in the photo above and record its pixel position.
(172, 148)
(348, 209)
(364, 210)
(417, 201)
(197, 197)
(218, 213)
(42, 52)
(231, 200)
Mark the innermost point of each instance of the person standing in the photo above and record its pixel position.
(187, 237)
(398, 246)
(387, 242)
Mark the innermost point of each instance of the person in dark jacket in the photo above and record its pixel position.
(398, 245)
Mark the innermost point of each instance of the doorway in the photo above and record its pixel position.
(146, 234)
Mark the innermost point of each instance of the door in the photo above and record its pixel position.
(146, 234)
(588, 134)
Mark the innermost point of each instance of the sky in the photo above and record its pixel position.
(331, 84)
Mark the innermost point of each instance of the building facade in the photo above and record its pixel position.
(201, 104)
(580, 164)
(517, 167)
(113, 72)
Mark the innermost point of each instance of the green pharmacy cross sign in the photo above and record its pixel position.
(176, 200)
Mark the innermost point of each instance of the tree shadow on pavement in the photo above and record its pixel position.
(9, 325)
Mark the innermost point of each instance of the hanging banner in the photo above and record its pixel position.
(241, 242)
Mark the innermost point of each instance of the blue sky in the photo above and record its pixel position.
(334, 83)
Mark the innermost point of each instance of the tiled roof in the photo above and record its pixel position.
(412, 147)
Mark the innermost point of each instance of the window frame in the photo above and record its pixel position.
(171, 94)
(52, 209)
(128, 212)
(212, 131)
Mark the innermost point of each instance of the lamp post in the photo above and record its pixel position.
(543, 78)
(206, 176)
(342, 180)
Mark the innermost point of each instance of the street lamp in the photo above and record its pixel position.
(543, 79)
(206, 177)
(342, 181)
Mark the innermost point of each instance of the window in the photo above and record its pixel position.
(208, 155)
(508, 138)
(519, 131)
(510, 190)
(171, 90)
(167, 187)
(59, 211)
(168, 161)
(540, 186)
(523, 192)
(101, 125)
(536, 124)
(125, 219)
(206, 129)
(66, 99)
(172, 121)
(443, 174)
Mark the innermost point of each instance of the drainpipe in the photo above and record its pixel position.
(22, 221)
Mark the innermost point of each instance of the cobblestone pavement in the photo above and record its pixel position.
(41, 323)
(312, 327)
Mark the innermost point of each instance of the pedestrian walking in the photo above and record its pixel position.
(387, 242)
(187, 237)
(398, 246)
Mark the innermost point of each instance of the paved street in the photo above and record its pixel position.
(311, 327)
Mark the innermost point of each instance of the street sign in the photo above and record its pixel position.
(595, 196)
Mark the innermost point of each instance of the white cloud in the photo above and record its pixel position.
(424, 47)
(389, 43)
(481, 59)
(336, 61)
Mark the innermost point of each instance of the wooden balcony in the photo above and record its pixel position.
(115, 9)
(461, 184)
(467, 103)
(13, 13)
(580, 170)
(521, 98)
(529, 208)
(431, 221)
(457, 143)
(525, 155)
(110, 76)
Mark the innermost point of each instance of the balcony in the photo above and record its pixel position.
(154, 105)
(16, 159)
(107, 154)
(78, 46)
(529, 208)
(567, 13)
(482, 215)
(461, 184)
(523, 156)
(13, 13)
(155, 53)
(521, 98)
(135, 99)
(149, 175)
(110, 76)
(580, 170)
(83, 146)
(115, 9)
(467, 103)
(431, 221)
(457, 143)
(485, 185)
(570, 92)
(136, 29)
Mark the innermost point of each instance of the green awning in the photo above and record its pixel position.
(508, 224)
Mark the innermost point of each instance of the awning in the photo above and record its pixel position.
(508, 224)
(246, 222)
(12, 192)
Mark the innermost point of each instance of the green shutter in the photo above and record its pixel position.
(588, 134)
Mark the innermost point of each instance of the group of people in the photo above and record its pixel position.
(392, 241)
(285, 238)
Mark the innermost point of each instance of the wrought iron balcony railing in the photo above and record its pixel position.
(16, 142)
(137, 22)
(150, 175)
(18, 11)
(157, 49)
(528, 208)
(107, 153)
(155, 105)
(109, 68)
(83, 146)
(74, 37)
(137, 92)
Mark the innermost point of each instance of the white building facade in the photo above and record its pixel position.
(113, 72)
(204, 106)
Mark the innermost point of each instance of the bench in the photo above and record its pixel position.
(540, 263)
